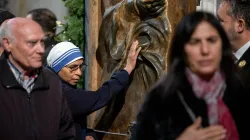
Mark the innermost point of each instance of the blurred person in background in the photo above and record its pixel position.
(4, 15)
(47, 20)
(234, 16)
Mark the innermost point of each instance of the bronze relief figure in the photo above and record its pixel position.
(129, 20)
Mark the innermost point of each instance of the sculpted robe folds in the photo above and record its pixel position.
(121, 25)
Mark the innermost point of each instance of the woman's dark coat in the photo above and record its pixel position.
(164, 117)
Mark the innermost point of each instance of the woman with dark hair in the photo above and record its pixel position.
(197, 99)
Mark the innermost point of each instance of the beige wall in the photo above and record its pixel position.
(209, 6)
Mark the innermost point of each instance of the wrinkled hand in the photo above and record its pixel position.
(89, 138)
(150, 8)
(195, 132)
(132, 57)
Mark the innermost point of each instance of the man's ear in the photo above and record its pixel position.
(6, 44)
(240, 25)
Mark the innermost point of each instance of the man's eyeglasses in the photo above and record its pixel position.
(73, 68)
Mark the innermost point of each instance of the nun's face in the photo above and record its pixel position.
(72, 72)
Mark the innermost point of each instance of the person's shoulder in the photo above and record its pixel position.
(49, 74)
(245, 56)
(51, 79)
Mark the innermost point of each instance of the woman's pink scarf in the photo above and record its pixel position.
(212, 92)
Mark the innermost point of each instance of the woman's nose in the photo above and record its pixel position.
(204, 48)
(78, 72)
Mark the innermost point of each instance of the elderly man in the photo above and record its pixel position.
(32, 104)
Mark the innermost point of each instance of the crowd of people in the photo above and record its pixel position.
(42, 102)
(203, 96)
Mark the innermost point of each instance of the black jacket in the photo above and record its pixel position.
(83, 102)
(164, 117)
(244, 69)
(44, 115)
